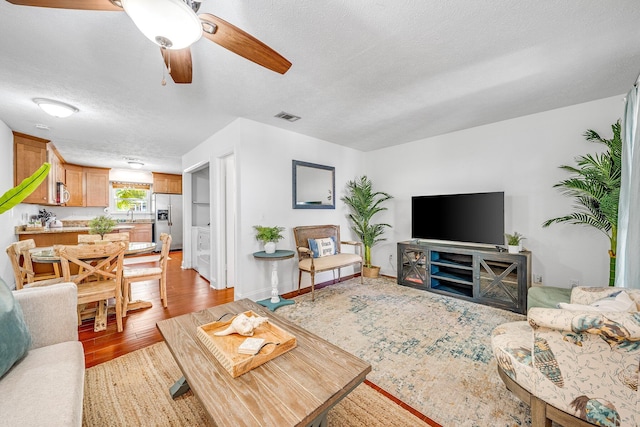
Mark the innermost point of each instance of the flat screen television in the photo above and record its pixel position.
(473, 218)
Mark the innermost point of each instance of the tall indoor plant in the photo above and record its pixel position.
(595, 188)
(364, 203)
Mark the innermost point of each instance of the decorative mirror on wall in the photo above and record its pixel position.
(314, 186)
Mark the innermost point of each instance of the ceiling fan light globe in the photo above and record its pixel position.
(171, 20)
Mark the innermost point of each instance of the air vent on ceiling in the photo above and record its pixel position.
(286, 116)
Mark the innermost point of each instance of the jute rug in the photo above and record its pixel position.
(133, 390)
(432, 352)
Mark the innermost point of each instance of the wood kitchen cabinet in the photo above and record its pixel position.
(141, 233)
(74, 177)
(96, 187)
(29, 154)
(87, 186)
(167, 183)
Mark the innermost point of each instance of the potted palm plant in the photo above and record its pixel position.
(101, 225)
(269, 236)
(595, 188)
(364, 203)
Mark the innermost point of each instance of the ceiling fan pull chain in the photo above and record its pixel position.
(164, 80)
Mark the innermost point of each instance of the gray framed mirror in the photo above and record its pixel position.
(314, 186)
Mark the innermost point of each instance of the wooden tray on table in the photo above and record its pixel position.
(225, 348)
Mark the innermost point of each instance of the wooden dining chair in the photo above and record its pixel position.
(99, 277)
(22, 265)
(110, 237)
(131, 275)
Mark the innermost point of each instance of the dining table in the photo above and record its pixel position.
(48, 255)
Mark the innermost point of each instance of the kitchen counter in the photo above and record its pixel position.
(20, 230)
(79, 226)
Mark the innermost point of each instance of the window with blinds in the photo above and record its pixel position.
(127, 196)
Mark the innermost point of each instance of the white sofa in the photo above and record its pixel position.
(46, 387)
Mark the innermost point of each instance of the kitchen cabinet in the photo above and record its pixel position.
(74, 181)
(87, 186)
(96, 187)
(30, 153)
(167, 183)
(140, 232)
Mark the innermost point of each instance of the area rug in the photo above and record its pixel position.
(133, 390)
(432, 352)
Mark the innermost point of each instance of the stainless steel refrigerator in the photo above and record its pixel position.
(168, 209)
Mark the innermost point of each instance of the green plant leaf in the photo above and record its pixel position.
(102, 225)
(17, 194)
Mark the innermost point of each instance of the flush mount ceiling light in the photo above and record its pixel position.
(135, 164)
(172, 24)
(55, 108)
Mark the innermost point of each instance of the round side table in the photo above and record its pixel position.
(275, 301)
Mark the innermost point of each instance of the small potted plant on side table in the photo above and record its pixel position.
(101, 225)
(514, 242)
(269, 236)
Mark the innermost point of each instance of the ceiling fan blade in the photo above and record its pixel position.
(179, 64)
(69, 4)
(239, 42)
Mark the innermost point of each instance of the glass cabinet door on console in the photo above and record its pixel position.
(412, 265)
(499, 279)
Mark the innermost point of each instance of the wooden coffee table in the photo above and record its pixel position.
(296, 388)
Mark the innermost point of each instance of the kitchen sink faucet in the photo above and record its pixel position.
(130, 212)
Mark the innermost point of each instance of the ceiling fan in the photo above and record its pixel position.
(174, 26)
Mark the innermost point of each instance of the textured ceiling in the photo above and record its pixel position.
(366, 74)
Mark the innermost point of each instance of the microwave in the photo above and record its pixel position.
(62, 194)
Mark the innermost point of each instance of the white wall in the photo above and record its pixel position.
(520, 157)
(7, 234)
(264, 157)
(12, 218)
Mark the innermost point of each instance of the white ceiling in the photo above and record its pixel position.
(366, 74)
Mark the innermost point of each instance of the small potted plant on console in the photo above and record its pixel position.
(269, 236)
(364, 204)
(514, 241)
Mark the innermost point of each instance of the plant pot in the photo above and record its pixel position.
(270, 247)
(514, 249)
(371, 272)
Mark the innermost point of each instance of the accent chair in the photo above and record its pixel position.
(319, 249)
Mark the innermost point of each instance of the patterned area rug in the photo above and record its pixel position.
(432, 352)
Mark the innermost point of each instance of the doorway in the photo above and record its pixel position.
(227, 215)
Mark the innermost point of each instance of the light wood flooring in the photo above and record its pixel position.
(186, 291)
